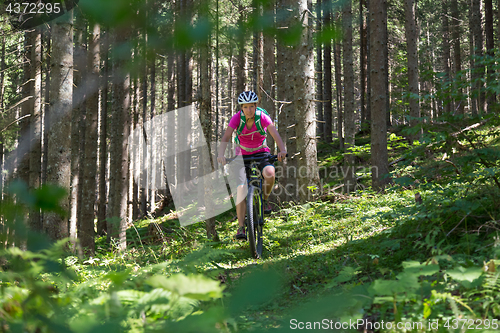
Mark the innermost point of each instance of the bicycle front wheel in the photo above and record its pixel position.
(253, 215)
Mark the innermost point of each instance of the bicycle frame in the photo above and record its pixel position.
(255, 180)
(254, 219)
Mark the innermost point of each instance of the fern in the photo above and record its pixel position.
(491, 292)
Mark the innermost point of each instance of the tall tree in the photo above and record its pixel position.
(319, 72)
(2, 72)
(478, 68)
(144, 160)
(86, 231)
(241, 60)
(120, 129)
(184, 93)
(327, 74)
(77, 116)
(205, 119)
(153, 140)
(446, 54)
(362, 62)
(268, 72)
(257, 50)
(304, 105)
(61, 93)
(286, 97)
(2, 91)
(170, 149)
(378, 100)
(24, 120)
(46, 109)
(349, 111)
(412, 51)
(490, 45)
(338, 92)
(103, 134)
(36, 124)
(457, 57)
(368, 68)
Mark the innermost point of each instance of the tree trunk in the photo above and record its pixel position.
(136, 150)
(286, 115)
(152, 141)
(304, 110)
(2, 72)
(338, 91)
(61, 93)
(86, 231)
(257, 52)
(205, 119)
(413, 80)
(457, 58)
(320, 128)
(349, 115)
(490, 45)
(362, 60)
(77, 113)
(170, 149)
(378, 74)
(478, 69)
(268, 79)
(2, 91)
(327, 75)
(118, 185)
(241, 62)
(103, 146)
(35, 222)
(46, 109)
(144, 161)
(446, 58)
(23, 167)
(368, 68)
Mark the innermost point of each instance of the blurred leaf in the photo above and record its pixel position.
(192, 286)
(404, 181)
(328, 33)
(256, 288)
(414, 267)
(118, 278)
(465, 274)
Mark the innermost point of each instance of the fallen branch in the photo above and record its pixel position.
(470, 127)
(398, 160)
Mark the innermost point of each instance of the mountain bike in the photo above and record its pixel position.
(254, 219)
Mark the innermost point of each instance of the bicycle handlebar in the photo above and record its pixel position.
(271, 158)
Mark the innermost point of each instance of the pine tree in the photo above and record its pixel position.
(61, 93)
(378, 100)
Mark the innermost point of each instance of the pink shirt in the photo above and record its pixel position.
(254, 140)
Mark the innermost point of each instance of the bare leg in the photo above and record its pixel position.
(241, 206)
(269, 176)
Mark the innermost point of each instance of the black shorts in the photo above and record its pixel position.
(244, 173)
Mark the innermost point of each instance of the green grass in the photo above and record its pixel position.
(368, 255)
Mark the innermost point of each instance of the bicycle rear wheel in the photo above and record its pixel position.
(253, 219)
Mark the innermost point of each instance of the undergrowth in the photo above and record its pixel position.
(423, 254)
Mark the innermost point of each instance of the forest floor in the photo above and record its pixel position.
(419, 253)
(422, 255)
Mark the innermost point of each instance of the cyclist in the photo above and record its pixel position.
(251, 124)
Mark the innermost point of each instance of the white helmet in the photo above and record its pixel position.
(247, 97)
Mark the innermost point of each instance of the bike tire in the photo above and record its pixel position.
(253, 199)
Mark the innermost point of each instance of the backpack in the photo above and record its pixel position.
(260, 129)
